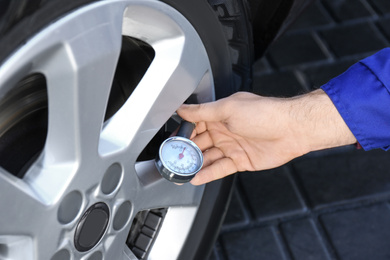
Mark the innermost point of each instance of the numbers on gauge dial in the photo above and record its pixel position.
(180, 157)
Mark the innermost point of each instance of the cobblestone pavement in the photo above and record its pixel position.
(332, 204)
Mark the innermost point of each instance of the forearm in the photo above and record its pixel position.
(316, 123)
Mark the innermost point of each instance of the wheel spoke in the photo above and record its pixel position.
(78, 58)
(79, 68)
(22, 217)
(16, 247)
(177, 224)
(157, 192)
(79, 80)
(16, 197)
(154, 100)
(49, 180)
(172, 77)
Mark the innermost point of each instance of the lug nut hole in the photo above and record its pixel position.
(70, 207)
(63, 254)
(111, 179)
(122, 215)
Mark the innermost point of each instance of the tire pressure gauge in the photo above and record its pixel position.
(179, 159)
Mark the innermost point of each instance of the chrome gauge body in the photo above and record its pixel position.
(179, 159)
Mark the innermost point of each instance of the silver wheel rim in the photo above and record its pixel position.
(86, 161)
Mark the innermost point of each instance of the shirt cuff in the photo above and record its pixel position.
(362, 98)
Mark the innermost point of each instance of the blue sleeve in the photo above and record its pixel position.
(362, 97)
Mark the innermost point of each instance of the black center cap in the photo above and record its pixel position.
(91, 227)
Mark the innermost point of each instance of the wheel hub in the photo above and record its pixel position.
(91, 227)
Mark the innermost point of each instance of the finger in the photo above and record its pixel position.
(203, 141)
(212, 155)
(199, 128)
(217, 170)
(207, 112)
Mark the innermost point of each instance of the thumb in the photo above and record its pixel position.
(207, 112)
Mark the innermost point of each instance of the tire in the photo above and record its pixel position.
(63, 163)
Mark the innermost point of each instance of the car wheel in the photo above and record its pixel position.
(87, 94)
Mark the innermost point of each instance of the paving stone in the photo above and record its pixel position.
(295, 48)
(384, 26)
(256, 244)
(360, 234)
(344, 10)
(381, 6)
(315, 15)
(282, 84)
(263, 190)
(342, 178)
(319, 75)
(353, 39)
(340, 184)
(236, 213)
(303, 240)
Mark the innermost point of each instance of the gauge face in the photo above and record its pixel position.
(181, 156)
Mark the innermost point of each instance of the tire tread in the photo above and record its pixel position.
(234, 17)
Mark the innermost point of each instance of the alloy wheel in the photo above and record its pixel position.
(78, 197)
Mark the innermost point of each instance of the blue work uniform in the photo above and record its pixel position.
(362, 97)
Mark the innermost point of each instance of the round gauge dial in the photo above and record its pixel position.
(179, 159)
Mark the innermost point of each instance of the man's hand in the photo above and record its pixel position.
(246, 132)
